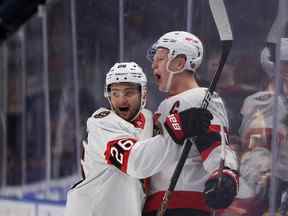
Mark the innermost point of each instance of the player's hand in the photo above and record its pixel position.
(188, 123)
(206, 140)
(221, 195)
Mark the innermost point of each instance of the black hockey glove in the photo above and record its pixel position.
(205, 141)
(220, 196)
(188, 123)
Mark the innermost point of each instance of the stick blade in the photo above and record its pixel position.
(220, 16)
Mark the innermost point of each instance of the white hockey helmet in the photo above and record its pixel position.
(182, 43)
(128, 72)
(266, 58)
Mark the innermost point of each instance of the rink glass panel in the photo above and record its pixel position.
(97, 43)
(3, 111)
(52, 109)
(15, 113)
(143, 25)
(63, 92)
(36, 102)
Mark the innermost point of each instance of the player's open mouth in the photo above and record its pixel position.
(157, 77)
(124, 112)
(123, 109)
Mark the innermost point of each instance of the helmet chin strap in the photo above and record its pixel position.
(168, 83)
(110, 102)
(170, 76)
(136, 115)
(141, 104)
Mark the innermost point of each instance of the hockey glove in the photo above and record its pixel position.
(220, 196)
(206, 141)
(189, 123)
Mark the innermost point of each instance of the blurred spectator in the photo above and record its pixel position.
(227, 75)
(234, 86)
(246, 81)
(256, 134)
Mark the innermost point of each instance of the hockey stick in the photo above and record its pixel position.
(222, 22)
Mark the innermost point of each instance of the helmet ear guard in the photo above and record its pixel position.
(151, 52)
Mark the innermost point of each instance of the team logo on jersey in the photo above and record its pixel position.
(264, 97)
(139, 122)
(102, 114)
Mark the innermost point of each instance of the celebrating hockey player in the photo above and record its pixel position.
(177, 56)
(105, 190)
(118, 142)
(199, 189)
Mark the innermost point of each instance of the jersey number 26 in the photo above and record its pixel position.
(117, 152)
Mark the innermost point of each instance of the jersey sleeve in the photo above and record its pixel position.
(117, 152)
(211, 155)
(152, 155)
(217, 138)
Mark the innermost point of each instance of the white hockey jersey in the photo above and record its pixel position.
(106, 191)
(257, 124)
(157, 157)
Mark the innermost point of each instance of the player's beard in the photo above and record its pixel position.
(130, 114)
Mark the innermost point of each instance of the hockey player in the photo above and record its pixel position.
(177, 56)
(106, 190)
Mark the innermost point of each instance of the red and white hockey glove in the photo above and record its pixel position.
(221, 195)
(188, 123)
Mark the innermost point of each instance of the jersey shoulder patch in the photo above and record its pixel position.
(263, 96)
(102, 114)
